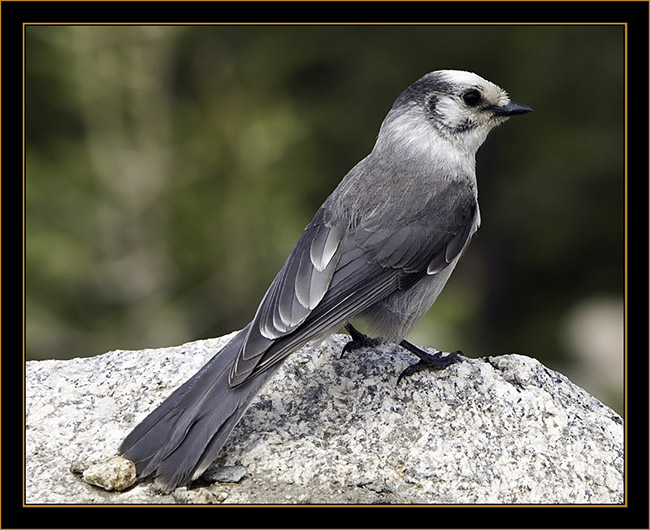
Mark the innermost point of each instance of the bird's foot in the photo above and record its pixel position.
(428, 361)
(359, 340)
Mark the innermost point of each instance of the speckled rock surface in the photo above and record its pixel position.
(330, 430)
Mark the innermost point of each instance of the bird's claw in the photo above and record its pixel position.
(428, 361)
(359, 340)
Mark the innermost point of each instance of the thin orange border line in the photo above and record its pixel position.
(328, 23)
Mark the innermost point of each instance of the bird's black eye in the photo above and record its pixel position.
(472, 97)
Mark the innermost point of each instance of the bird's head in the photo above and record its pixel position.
(460, 107)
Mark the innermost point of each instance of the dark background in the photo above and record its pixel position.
(170, 169)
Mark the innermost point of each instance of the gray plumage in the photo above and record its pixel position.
(380, 250)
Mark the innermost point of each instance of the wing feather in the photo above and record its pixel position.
(296, 291)
(325, 245)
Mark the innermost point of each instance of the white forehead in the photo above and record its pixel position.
(464, 78)
(460, 76)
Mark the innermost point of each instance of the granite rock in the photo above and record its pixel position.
(329, 429)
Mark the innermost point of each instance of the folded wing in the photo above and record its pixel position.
(335, 272)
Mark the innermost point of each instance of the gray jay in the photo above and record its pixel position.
(378, 251)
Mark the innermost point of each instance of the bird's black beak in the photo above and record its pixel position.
(511, 109)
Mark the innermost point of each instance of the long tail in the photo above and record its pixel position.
(181, 438)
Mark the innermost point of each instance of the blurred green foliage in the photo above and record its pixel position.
(170, 169)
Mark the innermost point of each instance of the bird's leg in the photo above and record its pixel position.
(359, 340)
(428, 361)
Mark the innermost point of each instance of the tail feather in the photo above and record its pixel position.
(182, 437)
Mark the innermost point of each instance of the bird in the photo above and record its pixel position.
(377, 253)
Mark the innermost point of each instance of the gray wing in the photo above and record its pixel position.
(298, 288)
(335, 272)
